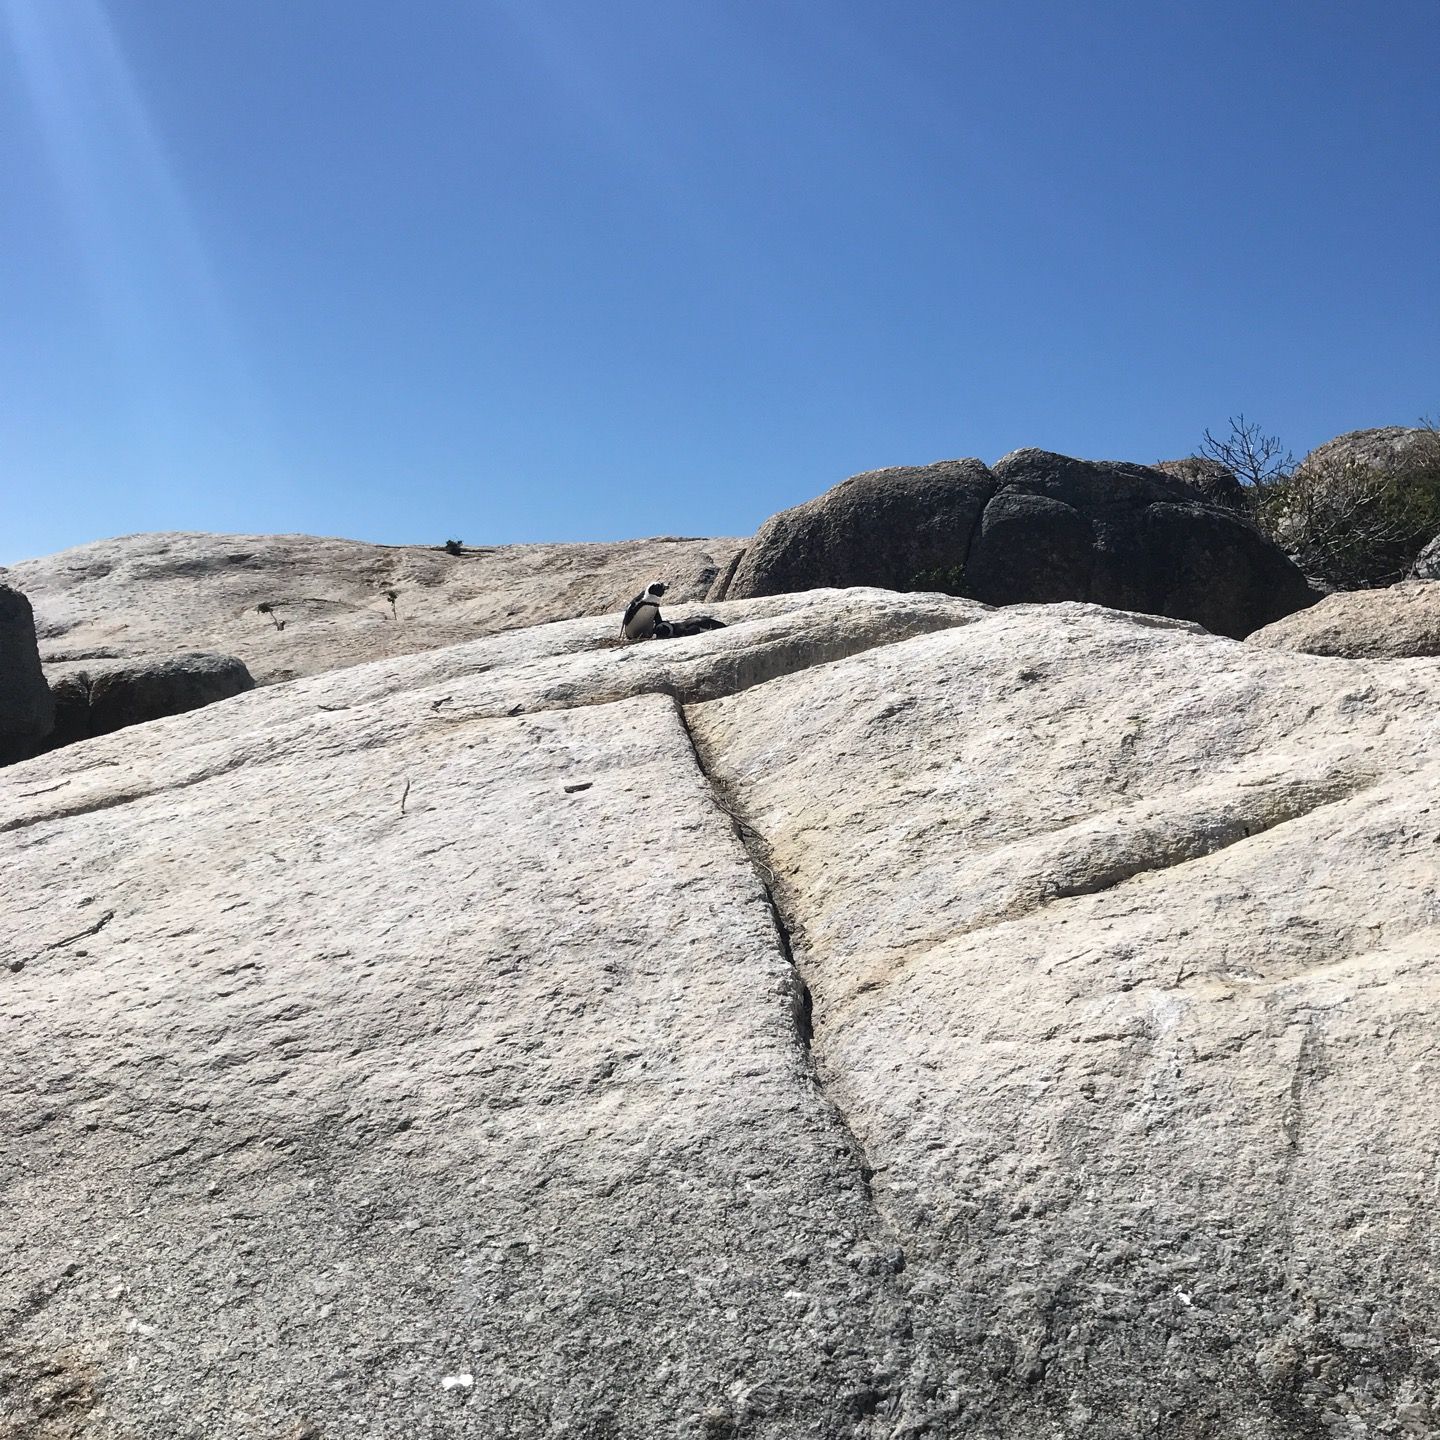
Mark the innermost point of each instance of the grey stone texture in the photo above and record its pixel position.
(94, 697)
(1398, 621)
(291, 605)
(1213, 481)
(882, 528)
(1039, 527)
(886, 1016)
(1427, 563)
(1389, 447)
(27, 712)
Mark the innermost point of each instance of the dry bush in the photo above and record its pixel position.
(1348, 524)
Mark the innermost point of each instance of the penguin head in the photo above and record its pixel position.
(655, 589)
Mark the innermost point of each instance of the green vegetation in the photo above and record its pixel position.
(941, 582)
(1349, 523)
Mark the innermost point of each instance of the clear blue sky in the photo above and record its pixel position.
(558, 269)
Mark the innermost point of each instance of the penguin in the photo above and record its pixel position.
(642, 613)
(691, 625)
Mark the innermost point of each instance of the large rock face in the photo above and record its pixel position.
(27, 713)
(882, 1017)
(94, 697)
(1039, 527)
(1392, 623)
(292, 605)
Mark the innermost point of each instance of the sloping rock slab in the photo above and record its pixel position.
(1124, 946)
(419, 1044)
(290, 605)
(95, 697)
(1398, 621)
(387, 1053)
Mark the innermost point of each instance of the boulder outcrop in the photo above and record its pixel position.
(1398, 621)
(885, 1016)
(1039, 527)
(94, 697)
(1389, 447)
(291, 605)
(1427, 563)
(1359, 511)
(27, 712)
(885, 528)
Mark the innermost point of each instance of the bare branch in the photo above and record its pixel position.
(1254, 457)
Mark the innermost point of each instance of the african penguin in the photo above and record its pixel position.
(691, 625)
(642, 613)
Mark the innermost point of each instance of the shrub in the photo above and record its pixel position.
(1354, 525)
(941, 582)
(1348, 523)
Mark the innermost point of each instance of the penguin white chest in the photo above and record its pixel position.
(642, 622)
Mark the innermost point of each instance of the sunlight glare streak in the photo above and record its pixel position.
(154, 287)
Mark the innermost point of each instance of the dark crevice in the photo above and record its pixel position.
(975, 530)
(89, 930)
(44, 790)
(718, 590)
(1301, 801)
(801, 1000)
(1150, 853)
(110, 802)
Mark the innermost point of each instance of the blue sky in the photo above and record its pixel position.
(550, 269)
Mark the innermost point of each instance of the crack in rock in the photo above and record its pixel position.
(802, 1004)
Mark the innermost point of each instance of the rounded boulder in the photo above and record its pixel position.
(96, 697)
(1037, 527)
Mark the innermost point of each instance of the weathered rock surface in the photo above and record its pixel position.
(1427, 563)
(27, 713)
(413, 1050)
(1390, 447)
(1397, 621)
(1039, 527)
(95, 697)
(1129, 537)
(1368, 505)
(883, 528)
(1210, 479)
(329, 603)
(1123, 944)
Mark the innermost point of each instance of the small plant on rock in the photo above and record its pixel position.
(941, 582)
